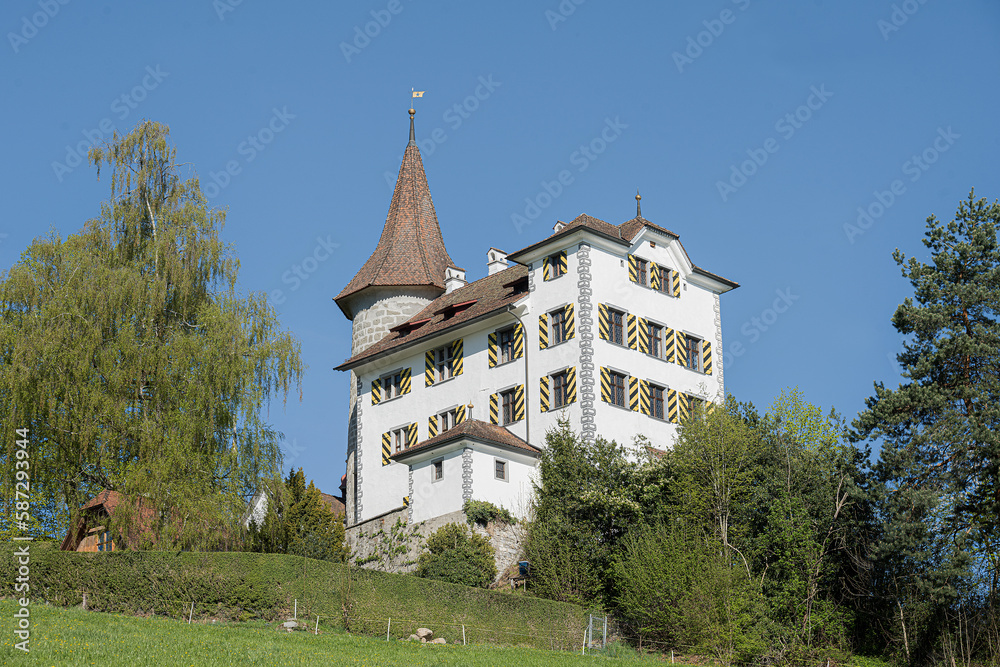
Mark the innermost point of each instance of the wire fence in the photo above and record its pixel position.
(319, 618)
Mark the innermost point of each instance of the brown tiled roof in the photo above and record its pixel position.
(411, 249)
(336, 504)
(630, 228)
(489, 295)
(472, 429)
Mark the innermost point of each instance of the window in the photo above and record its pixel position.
(692, 350)
(442, 363)
(642, 271)
(617, 322)
(104, 542)
(558, 326)
(508, 399)
(392, 385)
(399, 439)
(560, 385)
(656, 401)
(450, 418)
(656, 346)
(554, 266)
(500, 469)
(617, 383)
(505, 340)
(664, 279)
(437, 471)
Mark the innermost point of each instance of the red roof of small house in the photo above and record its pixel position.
(472, 429)
(107, 501)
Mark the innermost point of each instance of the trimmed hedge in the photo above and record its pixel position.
(241, 586)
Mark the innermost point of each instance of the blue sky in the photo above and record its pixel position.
(755, 132)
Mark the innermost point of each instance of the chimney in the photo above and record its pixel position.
(497, 260)
(453, 279)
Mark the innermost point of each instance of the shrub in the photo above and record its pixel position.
(457, 555)
(483, 511)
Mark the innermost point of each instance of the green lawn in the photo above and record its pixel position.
(75, 637)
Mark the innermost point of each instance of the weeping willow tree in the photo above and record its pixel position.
(128, 354)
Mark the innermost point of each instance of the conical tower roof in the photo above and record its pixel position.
(411, 249)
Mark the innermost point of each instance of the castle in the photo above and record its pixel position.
(454, 383)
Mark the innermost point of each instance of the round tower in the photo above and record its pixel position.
(404, 274)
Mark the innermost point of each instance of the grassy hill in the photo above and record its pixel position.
(75, 637)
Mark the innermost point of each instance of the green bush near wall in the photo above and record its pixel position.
(241, 586)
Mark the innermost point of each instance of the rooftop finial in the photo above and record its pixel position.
(638, 204)
(413, 140)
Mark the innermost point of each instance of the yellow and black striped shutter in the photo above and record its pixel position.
(404, 380)
(682, 357)
(460, 414)
(411, 434)
(457, 351)
(706, 357)
(644, 406)
(643, 336)
(654, 276)
(571, 385)
(633, 394)
(406, 501)
(494, 408)
(386, 447)
(570, 322)
(672, 405)
(670, 346)
(605, 385)
(432, 426)
(519, 403)
(675, 283)
(543, 393)
(546, 269)
(684, 402)
(603, 323)
(633, 268)
(376, 391)
(563, 265)
(518, 341)
(429, 368)
(492, 351)
(543, 331)
(632, 331)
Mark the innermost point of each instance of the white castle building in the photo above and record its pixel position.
(454, 383)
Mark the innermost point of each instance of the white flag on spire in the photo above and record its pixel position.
(418, 93)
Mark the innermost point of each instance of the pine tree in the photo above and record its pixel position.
(941, 427)
(127, 352)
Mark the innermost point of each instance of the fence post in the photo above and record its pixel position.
(295, 615)
(388, 627)
(463, 635)
(316, 632)
(191, 613)
(604, 642)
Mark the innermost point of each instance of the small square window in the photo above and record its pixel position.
(556, 265)
(500, 469)
(437, 473)
(442, 363)
(392, 385)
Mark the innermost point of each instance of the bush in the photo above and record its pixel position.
(457, 555)
(483, 512)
